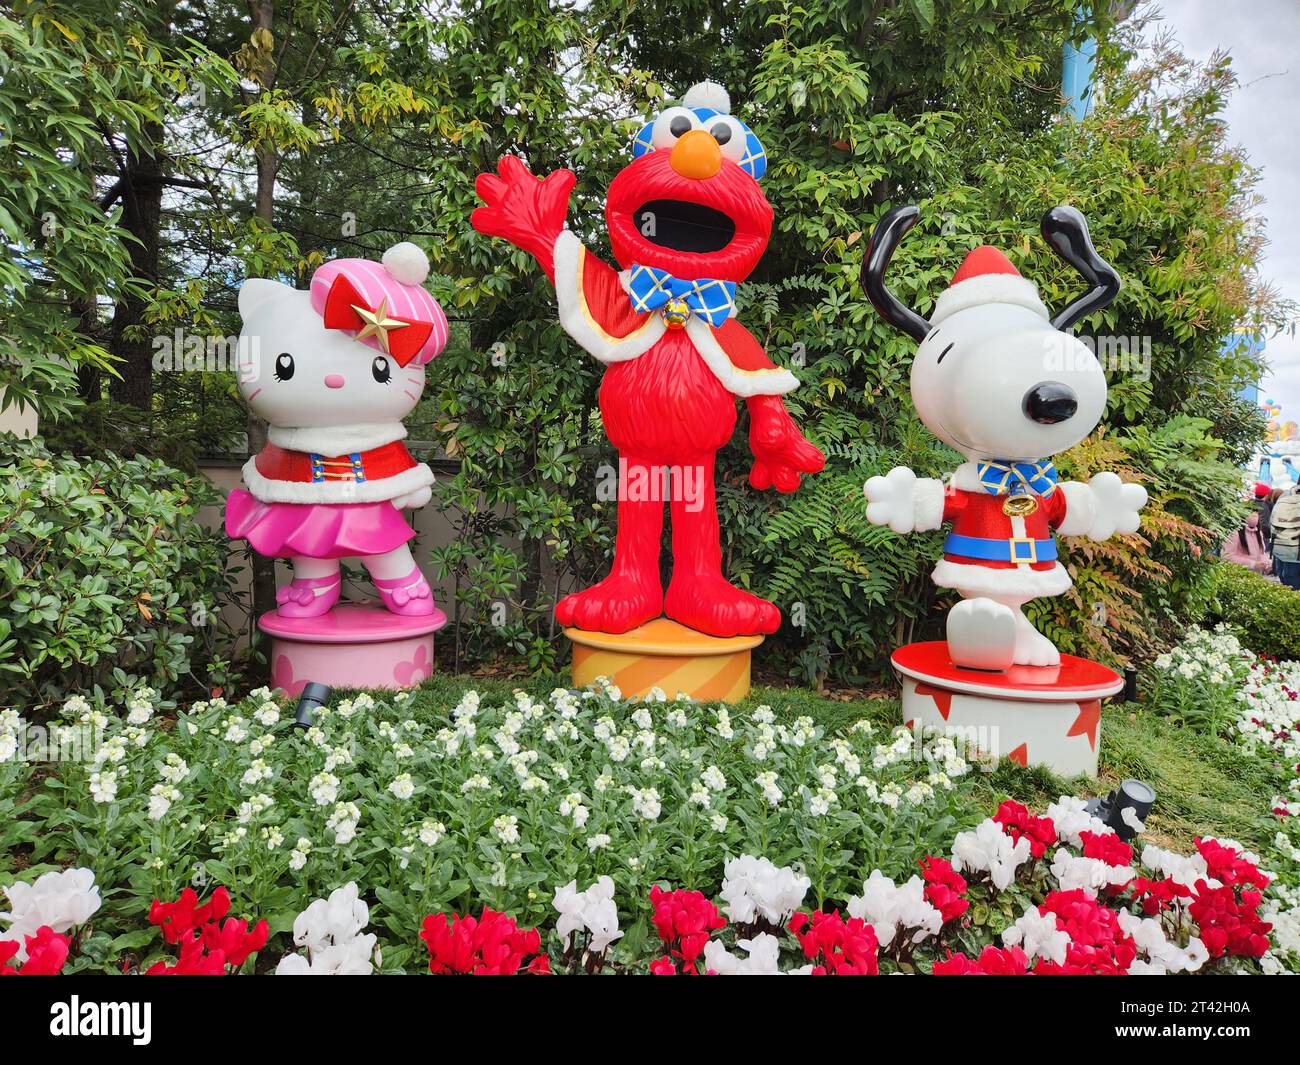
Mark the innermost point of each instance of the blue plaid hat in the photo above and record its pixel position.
(753, 160)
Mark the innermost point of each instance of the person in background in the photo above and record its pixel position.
(1265, 497)
(1246, 547)
(1285, 521)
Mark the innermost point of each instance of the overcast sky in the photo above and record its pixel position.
(1262, 37)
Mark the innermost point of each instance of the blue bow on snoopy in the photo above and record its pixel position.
(1014, 478)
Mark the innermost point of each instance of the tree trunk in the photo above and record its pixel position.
(262, 13)
(142, 188)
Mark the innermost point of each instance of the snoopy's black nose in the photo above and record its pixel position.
(1050, 403)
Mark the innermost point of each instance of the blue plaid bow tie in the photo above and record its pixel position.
(649, 289)
(1014, 478)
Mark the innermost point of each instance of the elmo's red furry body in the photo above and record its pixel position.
(668, 398)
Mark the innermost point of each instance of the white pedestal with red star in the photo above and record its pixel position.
(1034, 715)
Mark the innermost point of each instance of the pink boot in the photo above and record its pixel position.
(308, 597)
(409, 596)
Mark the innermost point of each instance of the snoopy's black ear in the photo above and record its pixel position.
(1066, 230)
(880, 249)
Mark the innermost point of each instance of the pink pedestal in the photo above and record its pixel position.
(352, 646)
(1034, 715)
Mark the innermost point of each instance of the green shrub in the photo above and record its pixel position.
(107, 576)
(1266, 613)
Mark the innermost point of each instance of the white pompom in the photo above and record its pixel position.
(708, 94)
(407, 263)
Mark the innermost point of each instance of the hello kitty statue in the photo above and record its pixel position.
(999, 379)
(334, 370)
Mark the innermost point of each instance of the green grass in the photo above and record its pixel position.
(1204, 786)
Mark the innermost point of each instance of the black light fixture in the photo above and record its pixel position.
(1130, 795)
(313, 697)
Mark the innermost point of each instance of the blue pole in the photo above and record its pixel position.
(1076, 78)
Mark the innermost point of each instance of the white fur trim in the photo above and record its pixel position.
(333, 440)
(1080, 508)
(927, 504)
(966, 478)
(708, 94)
(577, 320)
(985, 580)
(406, 263)
(743, 383)
(266, 490)
(987, 288)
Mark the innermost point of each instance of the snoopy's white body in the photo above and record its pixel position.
(990, 347)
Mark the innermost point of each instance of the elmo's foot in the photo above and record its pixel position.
(616, 604)
(709, 604)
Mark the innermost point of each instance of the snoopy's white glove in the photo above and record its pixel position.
(1117, 505)
(414, 500)
(904, 502)
(1102, 508)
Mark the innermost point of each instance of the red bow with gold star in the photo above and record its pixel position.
(400, 338)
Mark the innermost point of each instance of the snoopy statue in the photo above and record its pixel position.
(1001, 380)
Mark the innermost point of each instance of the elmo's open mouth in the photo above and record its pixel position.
(683, 226)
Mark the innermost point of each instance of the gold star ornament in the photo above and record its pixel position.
(378, 324)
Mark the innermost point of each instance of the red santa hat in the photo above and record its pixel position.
(986, 276)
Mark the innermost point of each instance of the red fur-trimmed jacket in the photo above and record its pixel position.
(351, 464)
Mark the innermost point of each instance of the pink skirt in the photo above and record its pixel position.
(315, 530)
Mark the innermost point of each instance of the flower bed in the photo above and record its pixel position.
(1211, 681)
(583, 833)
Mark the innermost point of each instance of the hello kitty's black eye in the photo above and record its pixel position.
(381, 370)
(283, 366)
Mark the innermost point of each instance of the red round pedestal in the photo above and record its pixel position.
(1035, 715)
(352, 646)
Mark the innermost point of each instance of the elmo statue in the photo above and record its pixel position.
(687, 222)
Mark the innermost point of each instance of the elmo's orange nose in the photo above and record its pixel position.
(696, 155)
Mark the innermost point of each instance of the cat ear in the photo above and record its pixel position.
(257, 290)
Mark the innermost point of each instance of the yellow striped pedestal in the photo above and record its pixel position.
(663, 654)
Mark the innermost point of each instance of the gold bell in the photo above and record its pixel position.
(675, 313)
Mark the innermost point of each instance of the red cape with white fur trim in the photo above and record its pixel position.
(596, 312)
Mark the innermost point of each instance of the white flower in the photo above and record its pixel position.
(173, 770)
(718, 822)
(324, 788)
(755, 887)
(889, 908)
(1091, 874)
(1037, 935)
(103, 786)
(989, 849)
(257, 771)
(506, 828)
(478, 782)
(8, 746)
(61, 900)
(401, 786)
(646, 803)
(343, 822)
(592, 910)
(267, 714)
(763, 953)
(431, 832)
(771, 792)
(161, 797)
(597, 842)
(714, 779)
(330, 930)
(298, 856)
(1070, 818)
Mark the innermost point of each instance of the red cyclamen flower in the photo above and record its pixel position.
(46, 953)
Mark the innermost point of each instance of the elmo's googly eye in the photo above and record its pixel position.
(671, 125)
(730, 135)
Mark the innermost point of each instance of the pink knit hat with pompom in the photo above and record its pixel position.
(383, 304)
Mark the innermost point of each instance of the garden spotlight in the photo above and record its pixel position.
(313, 695)
(1130, 795)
